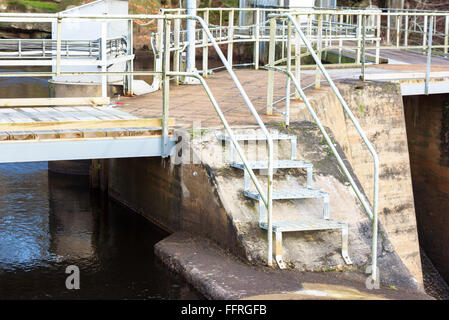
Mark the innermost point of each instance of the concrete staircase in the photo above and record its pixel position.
(306, 192)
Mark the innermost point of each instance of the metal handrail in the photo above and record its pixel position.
(372, 213)
(266, 198)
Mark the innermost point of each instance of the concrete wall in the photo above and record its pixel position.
(176, 198)
(207, 199)
(427, 119)
(379, 109)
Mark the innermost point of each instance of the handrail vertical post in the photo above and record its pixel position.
(205, 47)
(398, 30)
(130, 62)
(58, 46)
(388, 26)
(319, 50)
(176, 43)
(429, 55)
(289, 64)
(104, 57)
(230, 35)
(271, 57)
(406, 30)
(257, 42)
(359, 38)
(165, 87)
(378, 35)
(297, 58)
(362, 77)
(424, 37)
(446, 35)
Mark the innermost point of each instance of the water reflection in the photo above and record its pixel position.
(49, 221)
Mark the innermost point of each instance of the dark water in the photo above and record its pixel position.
(50, 221)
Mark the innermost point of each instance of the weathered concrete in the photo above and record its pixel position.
(427, 119)
(379, 110)
(219, 275)
(207, 199)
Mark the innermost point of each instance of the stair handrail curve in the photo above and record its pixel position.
(266, 198)
(372, 213)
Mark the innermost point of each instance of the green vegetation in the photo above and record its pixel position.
(42, 5)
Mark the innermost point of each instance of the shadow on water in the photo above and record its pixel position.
(50, 221)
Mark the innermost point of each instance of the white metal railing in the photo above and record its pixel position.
(362, 34)
(165, 73)
(292, 19)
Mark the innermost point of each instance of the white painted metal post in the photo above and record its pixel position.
(289, 63)
(205, 47)
(271, 57)
(424, 37)
(297, 57)
(388, 26)
(446, 35)
(230, 35)
(378, 35)
(429, 55)
(190, 66)
(257, 42)
(406, 30)
(104, 59)
(130, 62)
(58, 47)
(319, 50)
(165, 88)
(359, 39)
(177, 52)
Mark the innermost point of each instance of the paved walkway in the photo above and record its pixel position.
(190, 103)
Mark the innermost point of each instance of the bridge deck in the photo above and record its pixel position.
(190, 103)
(73, 133)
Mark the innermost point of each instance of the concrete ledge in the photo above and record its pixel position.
(219, 275)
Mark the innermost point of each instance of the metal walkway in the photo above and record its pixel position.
(75, 133)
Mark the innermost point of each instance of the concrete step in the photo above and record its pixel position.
(277, 164)
(302, 193)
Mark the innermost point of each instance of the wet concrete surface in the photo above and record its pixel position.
(219, 275)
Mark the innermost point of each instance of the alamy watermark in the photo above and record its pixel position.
(72, 282)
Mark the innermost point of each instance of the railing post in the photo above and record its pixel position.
(319, 50)
(257, 42)
(130, 62)
(378, 35)
(340, 40)
(446, 35)
(359, 38)
(230, 35)
(388, 26)
(271, 57)
(104, 58)
(289, 64)
(363, 47)
(424, 39)
(297, 58)
(165, 88)
(398, 31)
(205, 47)
(429, 55)
(58, 46)
(406, 30)
(177, 52)
(157, 82)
